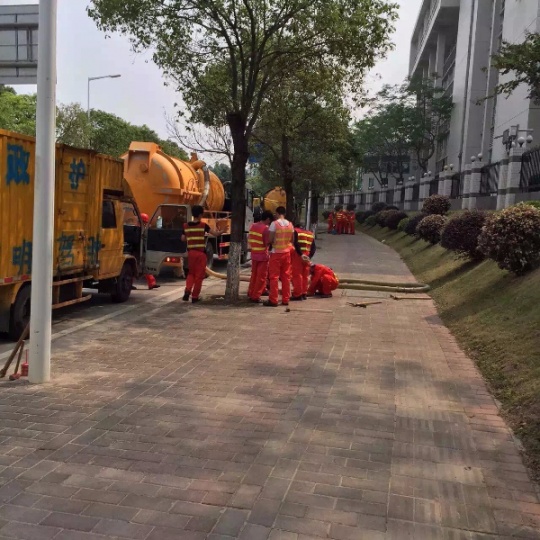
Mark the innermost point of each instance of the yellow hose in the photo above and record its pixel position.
(357, 284)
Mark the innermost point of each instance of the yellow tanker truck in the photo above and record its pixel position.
(166, 188)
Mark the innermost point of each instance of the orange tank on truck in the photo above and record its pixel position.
(274, 198)
(91, 249)
(166, 188)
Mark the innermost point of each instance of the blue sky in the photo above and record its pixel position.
(140, 96)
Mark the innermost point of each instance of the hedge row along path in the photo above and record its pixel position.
(216, 422)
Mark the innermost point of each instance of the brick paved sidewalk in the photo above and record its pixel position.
(213, 422)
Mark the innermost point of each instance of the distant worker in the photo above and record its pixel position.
(258, 245)
(340, 220)
(280, 236)
(150, 279)
(351, 218)
(323, 281)
(301, 255)
(331, 219)
(195, 235)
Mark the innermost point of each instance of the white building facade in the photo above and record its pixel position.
(455, 40)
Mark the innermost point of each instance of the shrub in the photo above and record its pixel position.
(378, 206)
(363, 216)
(411, 226)
(461, 234)
(402, 225)
(381, 217)
(371, 221)
(511, 238)
(392, 207)
(429, 229)
(536, 204)
(436, 204)
(394, 218)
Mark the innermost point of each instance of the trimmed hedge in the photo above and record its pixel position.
(394, 218)
(403, 224)
(412, 225)
(436, 204)
(363, 216)
(430, 228)
(536, 204)
(382, 216)
(461, 234)
(378, 207)
(511, 238)
(371, 221)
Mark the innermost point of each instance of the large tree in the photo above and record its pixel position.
(17, 112)
(226, 56)
(404, 120)
(302, 122)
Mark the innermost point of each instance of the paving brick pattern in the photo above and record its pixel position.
(213, 422)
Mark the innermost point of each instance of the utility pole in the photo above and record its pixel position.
(43, 237)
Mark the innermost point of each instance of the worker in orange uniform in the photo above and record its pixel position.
(195, 232)
(150, 279)
(323, 281)
(280, 235)
(351, 218)
(303, 250)
(340, 220)
(258, 245)
(331, 217)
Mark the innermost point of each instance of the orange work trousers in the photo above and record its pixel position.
(300, 275)
(340, 229)
(259, 275)
(279, 269)
(150, 280)
(327, 284)
(352, 227)
(196, 272)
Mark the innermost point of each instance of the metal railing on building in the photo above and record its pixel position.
(530, 171)
(389, 196)
(457, 186)
(489, 181)
(434, 186)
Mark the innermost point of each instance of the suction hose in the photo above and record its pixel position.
(358, 284)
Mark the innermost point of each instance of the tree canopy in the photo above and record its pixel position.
(104, 132)
(406, 119)
(226, 56)
(523, 61)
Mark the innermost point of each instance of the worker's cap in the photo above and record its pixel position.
(145, 218)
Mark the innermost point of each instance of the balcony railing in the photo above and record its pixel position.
(530, 171)
(428, 17)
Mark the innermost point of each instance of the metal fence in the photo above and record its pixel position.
(434, 186)
(416, 191)
(457, 186)
(530, 171)
(489, 181)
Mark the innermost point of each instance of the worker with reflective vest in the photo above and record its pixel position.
(280, 236)
(331, 218)
(351, 218)
(323, 281)
(258, 245)
(303, 250)
(150, 279)
(195, 232)
(341, 220)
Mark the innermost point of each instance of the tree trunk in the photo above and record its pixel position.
(314, 218)
(287, 176)
(238, 203)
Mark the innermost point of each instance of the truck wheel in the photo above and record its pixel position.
(123, 285)
(209, 255)
(20, 313)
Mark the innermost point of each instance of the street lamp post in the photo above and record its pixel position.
(90, 79)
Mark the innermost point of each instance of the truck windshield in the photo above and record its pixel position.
(169, 217)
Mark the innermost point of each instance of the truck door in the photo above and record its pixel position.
(163, 243)
(111, 238)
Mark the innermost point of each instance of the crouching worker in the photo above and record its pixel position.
(323, 281)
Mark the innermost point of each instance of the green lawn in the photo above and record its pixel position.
(495, 316)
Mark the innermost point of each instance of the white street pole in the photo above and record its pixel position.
(90, 79)
(308, 216)
(43, 239)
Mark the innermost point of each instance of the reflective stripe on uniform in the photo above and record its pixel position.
(195, 237)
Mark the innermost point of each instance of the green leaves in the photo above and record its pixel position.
(522, 60)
